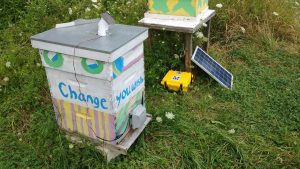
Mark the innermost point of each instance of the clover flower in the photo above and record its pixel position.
(199, 35)
(96, 6)
(71, 146)
(70, 11)
(275, 13)
(159, 119)
(231, 131)
(219, 5)
(204, 25)
(8, 64)
(5, 79)
(87, 9)
(94, 1)
(243, 29)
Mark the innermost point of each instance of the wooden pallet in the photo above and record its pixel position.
(111, 151)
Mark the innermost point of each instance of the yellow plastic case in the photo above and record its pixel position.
(177, 81)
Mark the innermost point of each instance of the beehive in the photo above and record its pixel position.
(95, 82)
(178, 7)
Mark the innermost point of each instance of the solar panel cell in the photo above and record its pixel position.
(213, 68)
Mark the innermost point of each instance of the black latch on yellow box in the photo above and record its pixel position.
(177, 81)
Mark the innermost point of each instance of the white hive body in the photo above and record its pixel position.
(96, 82)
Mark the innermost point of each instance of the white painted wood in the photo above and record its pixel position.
(102, 89)
(130, 59)
(130, 138)
(176, 23)
(129, 45)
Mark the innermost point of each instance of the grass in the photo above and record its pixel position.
(263, 108)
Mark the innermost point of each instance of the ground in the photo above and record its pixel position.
(255, 125)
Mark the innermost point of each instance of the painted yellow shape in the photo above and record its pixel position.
(68, 111)
(85, 119)
(101, 121)
(171, 4)
(106, 122)
(91, 111)
(198, 5)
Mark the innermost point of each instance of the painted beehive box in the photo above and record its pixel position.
(178, 7)
(95, 82)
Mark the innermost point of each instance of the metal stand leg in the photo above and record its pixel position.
(188, 49)
(206, 33)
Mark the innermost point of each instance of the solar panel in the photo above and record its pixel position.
(213, 68)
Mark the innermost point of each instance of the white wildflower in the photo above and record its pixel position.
(70, 11)
(275, 13)
(243, 29)
(170, 115)
(6, 79)
(20, 139)
(176, 56)
(204, 25)
(71, 146)
(38, 65)
(219, 5)
(8, 64)
(96, 6)
(94, 1)
(159, 119)
(199, 35)
(87, 9)
(231, 131)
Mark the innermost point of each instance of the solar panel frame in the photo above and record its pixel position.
(208, 72)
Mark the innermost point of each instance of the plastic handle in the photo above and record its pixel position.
(77, 83)
(130, 78)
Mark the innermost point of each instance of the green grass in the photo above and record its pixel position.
(263, 107)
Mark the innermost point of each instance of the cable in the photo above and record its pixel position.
(117, 136)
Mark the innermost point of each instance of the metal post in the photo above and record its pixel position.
(206, 33)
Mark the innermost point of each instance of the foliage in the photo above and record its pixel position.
(263, 107)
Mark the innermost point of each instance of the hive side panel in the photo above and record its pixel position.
(174, 7)
(85, 121)
(81, 90)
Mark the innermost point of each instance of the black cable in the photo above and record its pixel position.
(117, 136)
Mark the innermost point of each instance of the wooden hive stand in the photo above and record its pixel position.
(182, 24)
(109, 150)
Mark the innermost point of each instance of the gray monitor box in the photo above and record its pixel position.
(138, 117)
